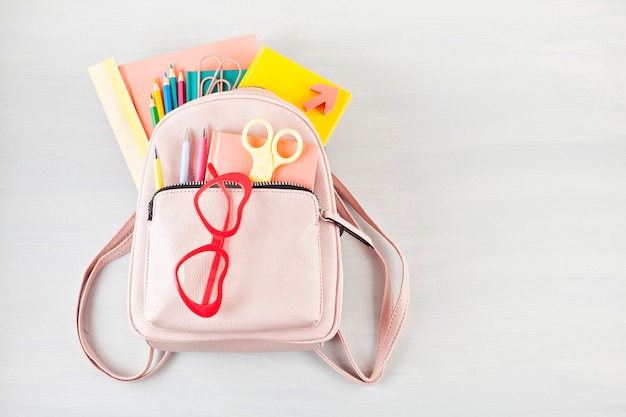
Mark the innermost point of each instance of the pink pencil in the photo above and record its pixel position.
(202, 158)
(181, 88)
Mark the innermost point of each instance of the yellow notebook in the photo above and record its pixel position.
(321, 101)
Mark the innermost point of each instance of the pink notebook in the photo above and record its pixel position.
(227, 154)
(139, 75)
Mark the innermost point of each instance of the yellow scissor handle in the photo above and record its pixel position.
(278, 158)
(266, 158)
(262, 164)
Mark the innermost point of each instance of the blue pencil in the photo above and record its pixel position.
(167, 94)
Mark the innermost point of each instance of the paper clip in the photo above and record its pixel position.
(217, 80)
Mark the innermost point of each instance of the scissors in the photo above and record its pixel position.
(266, 158)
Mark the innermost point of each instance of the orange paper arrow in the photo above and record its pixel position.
(327, 96)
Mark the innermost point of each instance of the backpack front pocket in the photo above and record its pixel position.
(268, 273)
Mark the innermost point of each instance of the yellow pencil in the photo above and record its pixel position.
(158, 175)
(158, 99)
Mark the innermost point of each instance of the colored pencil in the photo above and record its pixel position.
(158, 174)
(167, 94)
(173, 87)
(158, 99)
(153, 112)
(181, 88)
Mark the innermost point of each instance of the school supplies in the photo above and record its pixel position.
(184, 159)
(123, 118)
(124, 90)
(137, 74)
(202, 157)
(217, 82)
(321, 101)
(158, 99)
(158, 171)
(173, 81)
(153, 111)
(199, 86)
(201, 82)
(228, 154)
(266, 158)
(228, 265)
(167, 94)
(180, 84)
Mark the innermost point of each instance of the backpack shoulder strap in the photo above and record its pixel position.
(117, 246)
(392, 313)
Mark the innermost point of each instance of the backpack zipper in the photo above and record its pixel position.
(281, 185)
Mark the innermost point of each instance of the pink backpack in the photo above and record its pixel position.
(227, 264)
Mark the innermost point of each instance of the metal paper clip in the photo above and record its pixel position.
(217, 80)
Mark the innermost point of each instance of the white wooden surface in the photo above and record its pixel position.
(488, 138)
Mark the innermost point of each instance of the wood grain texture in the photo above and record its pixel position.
(487, 138)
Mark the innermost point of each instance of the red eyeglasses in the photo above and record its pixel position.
(211, 302)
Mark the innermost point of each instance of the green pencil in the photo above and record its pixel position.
(153, 112)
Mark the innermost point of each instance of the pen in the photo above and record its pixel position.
(173, 87)
(158, 99)
(202, 158)
(184, 160)
(153, 112)
(158, 174)
(167, 94)
(181, 88)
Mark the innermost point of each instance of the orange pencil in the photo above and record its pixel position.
(158, 99)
